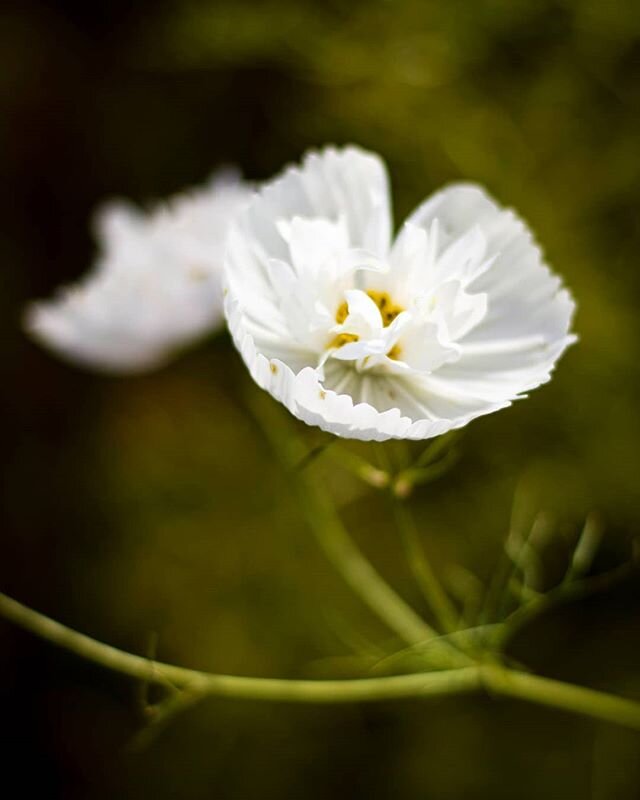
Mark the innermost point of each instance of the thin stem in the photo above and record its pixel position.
(437, 447)
(563, 593)
(313, 454)
(565, 696)
(406, 480)
(430, 654)
(426, 579)
(585, 549)
(496, 679)
(161, 714)
(273, 689)
(361, 468)
(356, 570)
(526, 565)
(332, 535)
(504, 568)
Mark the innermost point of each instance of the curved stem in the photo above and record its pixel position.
(423, 572)
(361, 468)
(563, 593)
(565, 696)
(496, 679)
(274, 689)
(332, 535)
(357, 571)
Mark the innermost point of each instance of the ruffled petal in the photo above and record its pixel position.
(494, 322)
(528, 317)
(303, 218)
(155, 287)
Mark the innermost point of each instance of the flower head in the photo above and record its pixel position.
(156, 284)
(370, 338)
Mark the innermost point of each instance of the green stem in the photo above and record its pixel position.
(565, 696)
(405, 481)
(332, 535)
(361, 468)
(495, 679)
(426, 579)
(275, 689)
(563, 593)
(356, 570)
(437, 447)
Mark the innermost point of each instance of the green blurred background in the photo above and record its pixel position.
(151, 506)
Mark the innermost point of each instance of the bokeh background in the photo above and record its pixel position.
(151, 507)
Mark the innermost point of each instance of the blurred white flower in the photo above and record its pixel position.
(156, 284)
(373, 339)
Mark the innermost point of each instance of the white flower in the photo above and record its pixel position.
(156, 284)
(373, 339)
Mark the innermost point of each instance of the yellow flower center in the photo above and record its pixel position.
(395, 352)
(343, 338)
(342, 312)
(388, 311)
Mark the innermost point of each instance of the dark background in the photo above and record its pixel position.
(151, 505)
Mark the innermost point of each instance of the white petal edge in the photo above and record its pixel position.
(526, 300)
(303, 393)
(306, 398)
(155, 285)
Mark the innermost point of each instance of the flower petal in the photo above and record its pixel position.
(301, 218)
(525, 328)
(492, 324)
(332, 184)
(156, 284)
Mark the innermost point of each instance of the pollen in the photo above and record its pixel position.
(388, 309)
(395, 352)
(342, 313)
(343, 338)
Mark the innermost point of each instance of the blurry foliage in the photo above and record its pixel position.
(152, 504)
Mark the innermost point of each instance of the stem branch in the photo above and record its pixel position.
(494, 678)
(331, 534)
(445, 682)
(357, 571)
(426, 579)
(565, 696)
